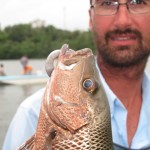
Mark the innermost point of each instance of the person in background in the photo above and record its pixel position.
(2, 72)
(27, 69)
(122, 37)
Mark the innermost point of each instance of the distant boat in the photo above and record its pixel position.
(24, 79)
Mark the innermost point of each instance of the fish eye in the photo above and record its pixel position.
(90, 85)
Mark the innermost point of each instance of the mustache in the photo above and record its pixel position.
(121, 32)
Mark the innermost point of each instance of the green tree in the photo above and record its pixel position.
(22, 39)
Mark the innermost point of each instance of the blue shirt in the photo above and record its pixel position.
(25, 120)
(119, 117)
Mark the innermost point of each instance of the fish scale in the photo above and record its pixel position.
(75, 113)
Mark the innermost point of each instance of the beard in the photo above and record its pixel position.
(126, 55)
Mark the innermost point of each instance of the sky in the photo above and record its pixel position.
(63, 14)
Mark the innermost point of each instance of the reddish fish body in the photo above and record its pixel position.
(74, 112)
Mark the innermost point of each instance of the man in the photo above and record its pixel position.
(27, 69)
(122, 38)
(2, 72)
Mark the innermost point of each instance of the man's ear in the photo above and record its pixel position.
(90, 20)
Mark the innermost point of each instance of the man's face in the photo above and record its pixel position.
(122, 39)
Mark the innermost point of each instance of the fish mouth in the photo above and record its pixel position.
(70, 56)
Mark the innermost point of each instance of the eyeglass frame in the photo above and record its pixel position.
(117, 7)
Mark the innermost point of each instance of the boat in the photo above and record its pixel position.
(23, 79)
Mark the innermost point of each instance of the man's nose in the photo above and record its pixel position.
(123, 18)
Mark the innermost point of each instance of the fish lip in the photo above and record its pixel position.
(71, 58)
(71, 54)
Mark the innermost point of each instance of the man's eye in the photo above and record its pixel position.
(106, 3)
(138, 2)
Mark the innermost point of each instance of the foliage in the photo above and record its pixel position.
(38, 42)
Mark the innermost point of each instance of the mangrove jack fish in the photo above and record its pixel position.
(75, 113)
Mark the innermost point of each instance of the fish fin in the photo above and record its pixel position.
(28, 145)
(67, 119)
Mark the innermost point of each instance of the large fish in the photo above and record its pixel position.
(75, 113)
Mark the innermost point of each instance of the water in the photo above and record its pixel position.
(11, 96)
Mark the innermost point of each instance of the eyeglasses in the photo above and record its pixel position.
(110, 7)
